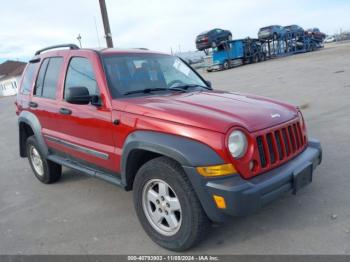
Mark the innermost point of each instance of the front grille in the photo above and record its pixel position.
(261, 149)
(277, 146)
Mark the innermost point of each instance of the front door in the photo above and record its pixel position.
(85, 131)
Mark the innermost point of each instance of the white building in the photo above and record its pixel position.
(10, 76)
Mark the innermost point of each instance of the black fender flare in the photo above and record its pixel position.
(186, 151)
(31, 120)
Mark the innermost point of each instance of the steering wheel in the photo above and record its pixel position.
(172, 83)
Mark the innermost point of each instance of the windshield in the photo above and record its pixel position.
(204, 33)
(266, 28)
(127, 73)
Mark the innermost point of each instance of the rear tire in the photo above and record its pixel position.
(255, 58)
(226, 65)
(45, 170)
(161, 175)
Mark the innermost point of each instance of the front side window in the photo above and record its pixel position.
(132, 72)
(41, 76)
(80, 73)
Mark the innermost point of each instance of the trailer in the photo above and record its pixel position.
(233, 53)
(290, 44)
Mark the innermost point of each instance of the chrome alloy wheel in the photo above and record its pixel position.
(36, 160)
(161, 207)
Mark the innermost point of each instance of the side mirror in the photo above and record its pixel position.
(78, 95)
(208, 83)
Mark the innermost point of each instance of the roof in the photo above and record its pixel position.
(127, 51)
(12, 68)
(270, 26)
(47, 52)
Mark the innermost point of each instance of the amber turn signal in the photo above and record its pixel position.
(219, 201)
(218, 170)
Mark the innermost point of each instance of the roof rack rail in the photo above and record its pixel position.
(71, 46)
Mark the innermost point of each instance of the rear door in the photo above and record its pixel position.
(85, 131)
(43, 102)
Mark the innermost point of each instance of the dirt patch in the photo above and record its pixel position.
(304, 106)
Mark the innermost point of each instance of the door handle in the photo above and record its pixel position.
(65, 111)
(116, 122)
(33, 104)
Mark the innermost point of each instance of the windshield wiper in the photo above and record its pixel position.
(187, 86)
(149, 90)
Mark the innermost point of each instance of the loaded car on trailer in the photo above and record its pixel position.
(274, 32)
(316, 34)
(294, 31)
(212, 38)
(147, 122)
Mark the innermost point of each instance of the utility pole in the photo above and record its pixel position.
(107, 29)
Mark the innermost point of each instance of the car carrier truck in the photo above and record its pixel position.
(236, 52)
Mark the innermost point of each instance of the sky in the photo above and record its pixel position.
(162, 25)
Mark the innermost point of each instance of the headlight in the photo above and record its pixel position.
(237, 144)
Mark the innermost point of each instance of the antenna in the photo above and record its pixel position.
(98, 39)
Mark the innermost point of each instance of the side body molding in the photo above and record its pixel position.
(186, 151)
(31, 120)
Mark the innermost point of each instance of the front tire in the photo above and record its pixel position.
(45, 170)
(167, 206)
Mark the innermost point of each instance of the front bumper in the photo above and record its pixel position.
(244, 197)
(203, 45)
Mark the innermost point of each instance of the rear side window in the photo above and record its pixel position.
(41, 76)
(81, 73)
(46, 84)
(28, 78)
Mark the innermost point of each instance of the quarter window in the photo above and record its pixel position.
(28, 78)
(81, 73)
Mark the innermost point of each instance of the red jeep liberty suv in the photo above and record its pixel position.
(148, 122)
